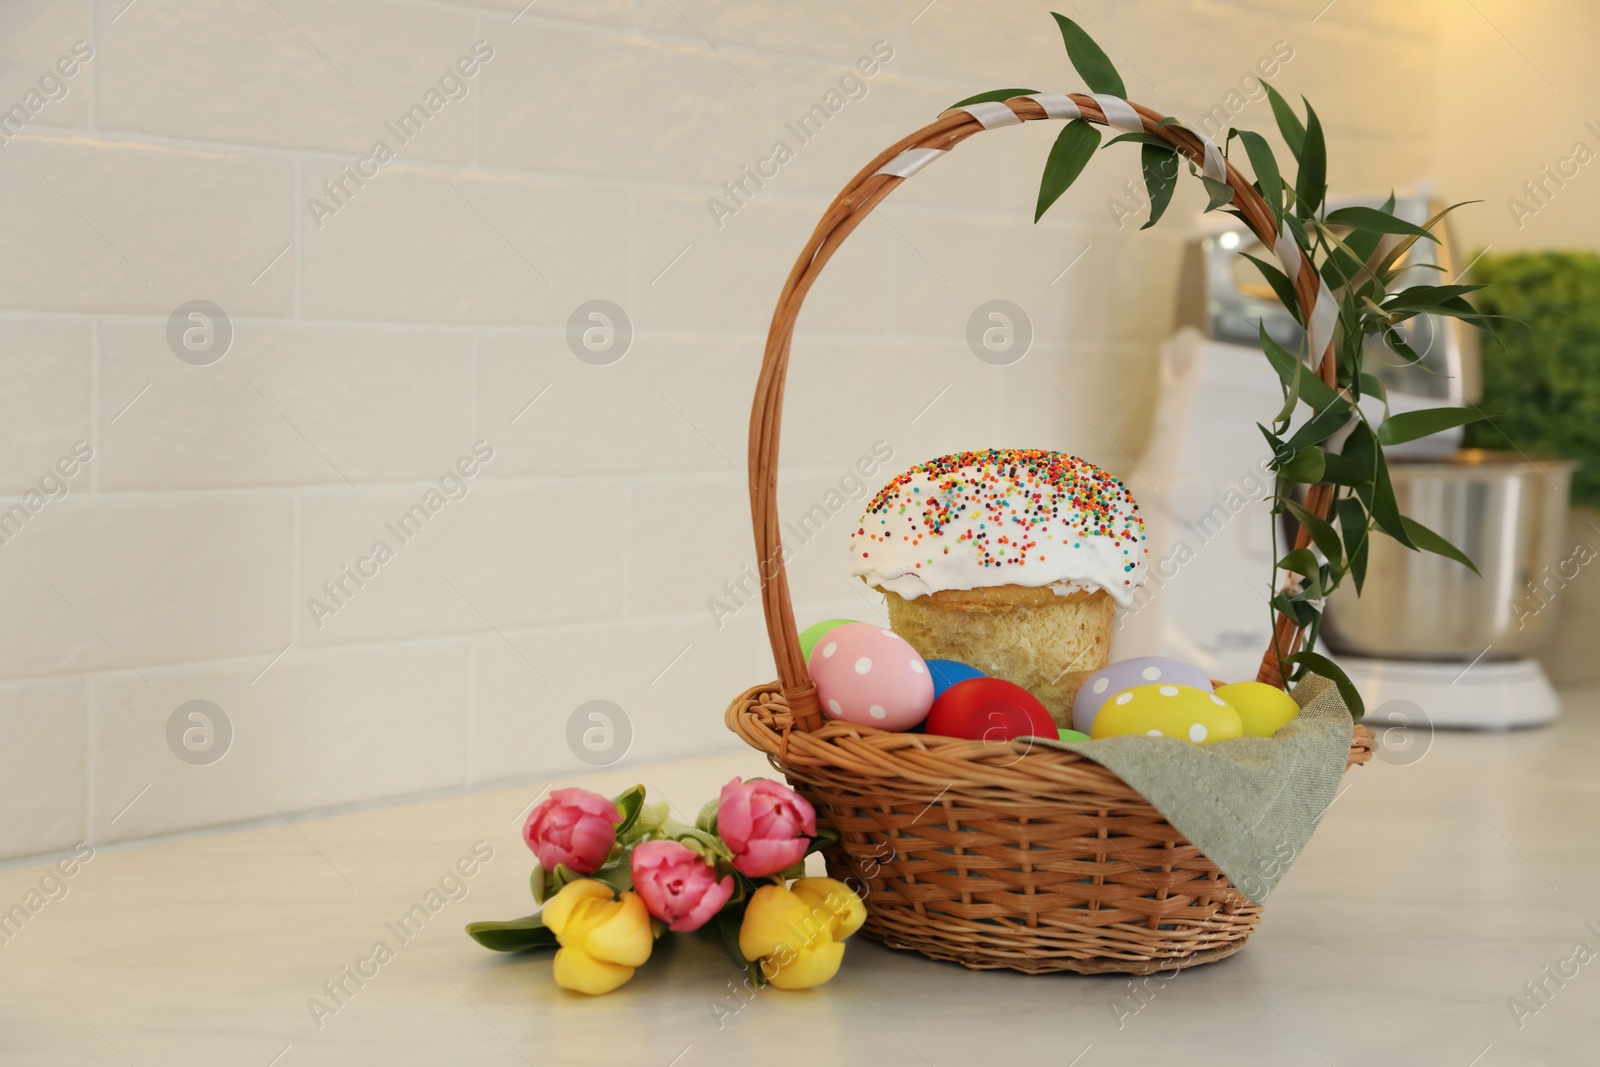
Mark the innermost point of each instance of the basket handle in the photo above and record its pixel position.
(847, 211)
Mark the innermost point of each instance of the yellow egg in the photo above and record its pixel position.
(1265, 709)
(1166, 710)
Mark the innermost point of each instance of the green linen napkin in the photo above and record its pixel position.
(1249, 804)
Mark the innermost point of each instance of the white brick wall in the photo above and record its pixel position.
(372, 350)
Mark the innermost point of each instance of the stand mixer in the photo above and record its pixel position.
(1429, 642)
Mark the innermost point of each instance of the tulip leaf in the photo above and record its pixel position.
(514, 935)
(630, 803)
(707, 844)
(1075, 146)
(1316, 663)
(1092, 64)
(992, 96)
(728, 922)
(826, 837)
(707, 819)
(617, 873)
(1406, 426)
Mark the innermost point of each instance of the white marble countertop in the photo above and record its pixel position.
(1433, 891)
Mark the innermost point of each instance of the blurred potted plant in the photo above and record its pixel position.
(1541, 383)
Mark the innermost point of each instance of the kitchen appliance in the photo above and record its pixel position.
(1427, 630)
(1204, 487)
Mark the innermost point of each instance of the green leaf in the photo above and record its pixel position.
(1397, 253)
(1160, 179)
(1319, 427)
(1092, 64)
(1375, 221)
(629, 802)
(1306, 467)
(993, 95)
(1294, 134)
(728, 922)
(1354, 528)
(1428, 541)
(1074, 147)
(1280, 285)
(1399, 347)
(1372, 386)
(1291, 370)
(1426, 297)
(1142, 138)
(1311, 183)
(1406, 426)
(707, 844)
(514, 935)
(826, 838)
(1265, 164)
(1380, 501)
(1220, 193)
(707, 819)
(1301, 561)
(1319, 664)
(1322, 534)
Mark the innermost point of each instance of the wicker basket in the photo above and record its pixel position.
(1028, 858)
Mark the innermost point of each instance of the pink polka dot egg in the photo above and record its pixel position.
(871, 676)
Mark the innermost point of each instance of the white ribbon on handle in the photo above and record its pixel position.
(1057, 105)
(1288, 252)
(1214, 166)
(1119, 113)
(1324, 315)
(911, 160)
(992, 114)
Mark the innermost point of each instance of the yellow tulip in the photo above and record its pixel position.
(603, 937)
(797, 934)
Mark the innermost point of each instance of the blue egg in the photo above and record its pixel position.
(947, 672)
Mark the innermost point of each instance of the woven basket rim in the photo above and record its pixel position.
(760, 716)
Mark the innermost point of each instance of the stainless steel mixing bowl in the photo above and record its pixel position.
(1505, 511)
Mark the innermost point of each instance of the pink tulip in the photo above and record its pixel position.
(574, 827)
(768, 826)
(677, 885)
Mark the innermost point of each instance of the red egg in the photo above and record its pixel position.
(989, 709)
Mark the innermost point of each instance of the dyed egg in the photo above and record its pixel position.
(1106, 682)
(947, 672)
(1265, 709)
(989, 709)
(1072, 735)
(868, 675)
(813, 633)
(1162, 710)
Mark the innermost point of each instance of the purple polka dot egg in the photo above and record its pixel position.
(868, 675)
(1107, 682)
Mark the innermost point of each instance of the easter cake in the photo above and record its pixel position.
(1011, 560)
